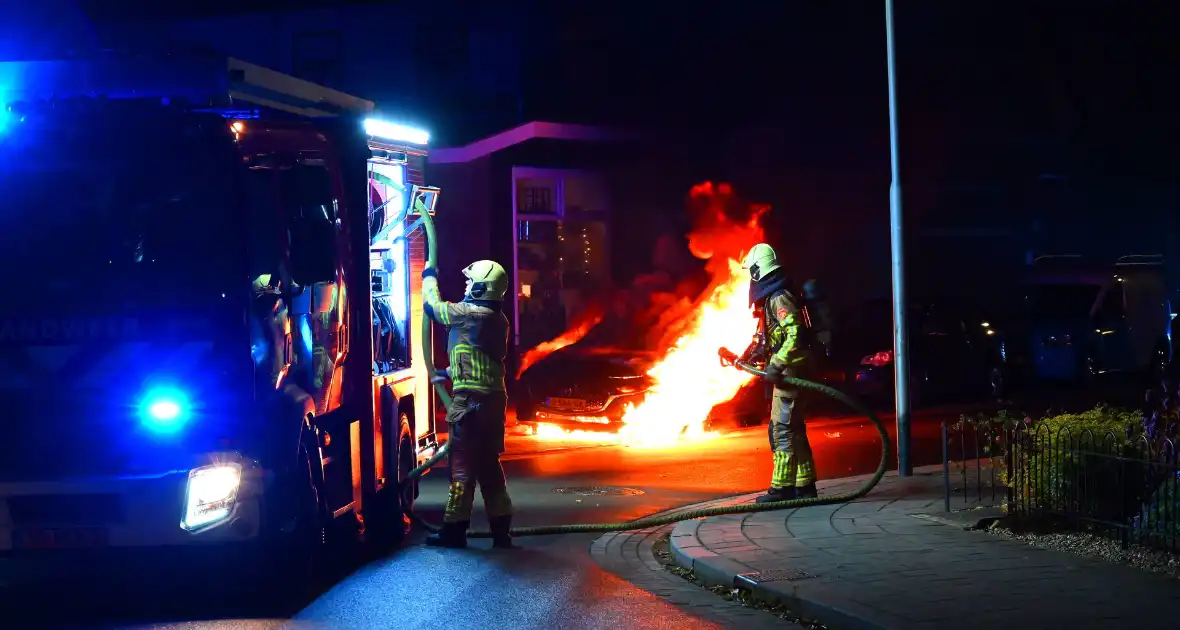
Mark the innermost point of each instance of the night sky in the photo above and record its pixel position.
(1087, 72)
(1016, 116)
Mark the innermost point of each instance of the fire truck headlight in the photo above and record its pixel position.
(164, 411)
(210, 495)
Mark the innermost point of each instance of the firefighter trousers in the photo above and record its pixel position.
(794, 466)
(476, 435)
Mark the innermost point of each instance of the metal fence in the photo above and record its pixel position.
(972, 463)
(1120, 484)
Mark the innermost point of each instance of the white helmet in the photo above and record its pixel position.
(487, 280)
(760, 261)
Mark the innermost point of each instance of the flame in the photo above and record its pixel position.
(689, 379)
(567, 338)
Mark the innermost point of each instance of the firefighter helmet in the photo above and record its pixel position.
(487, 280)
(760, 261)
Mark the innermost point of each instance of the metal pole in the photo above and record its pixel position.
(901, 357)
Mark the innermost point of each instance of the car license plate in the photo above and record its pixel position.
(568, 404)
(59, 538)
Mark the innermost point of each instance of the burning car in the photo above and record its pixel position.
(584, 388)
(645, 371)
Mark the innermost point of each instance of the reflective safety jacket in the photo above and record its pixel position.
(477, 339)
(788, 334)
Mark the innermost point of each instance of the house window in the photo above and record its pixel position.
(536, 196)
(536, 200)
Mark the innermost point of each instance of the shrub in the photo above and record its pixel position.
(1087, 465)
(985, 436)
(1103, 466)
(1159, 520)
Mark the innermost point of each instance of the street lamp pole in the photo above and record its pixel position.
(901, 354)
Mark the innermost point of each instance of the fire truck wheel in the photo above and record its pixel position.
(301, 558)
(397, 498)
(407, 459)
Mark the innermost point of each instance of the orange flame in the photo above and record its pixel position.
(567, 338)
(689, 379)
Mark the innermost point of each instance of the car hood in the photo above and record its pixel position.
(591, 369)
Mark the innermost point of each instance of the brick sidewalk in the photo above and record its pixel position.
(873, 564)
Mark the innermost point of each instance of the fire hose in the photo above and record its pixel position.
(650, 521)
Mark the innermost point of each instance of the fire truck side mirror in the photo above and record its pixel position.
(423, 199)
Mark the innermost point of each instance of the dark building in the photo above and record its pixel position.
(541, 199)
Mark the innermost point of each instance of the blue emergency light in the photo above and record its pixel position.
(196, 81)
(8, 118)
(164, 410)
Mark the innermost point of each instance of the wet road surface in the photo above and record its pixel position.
(551, 582)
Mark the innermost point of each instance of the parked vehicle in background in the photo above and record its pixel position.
(1084, 322)
(957, 351)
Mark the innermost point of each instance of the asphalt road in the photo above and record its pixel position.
(550, 582)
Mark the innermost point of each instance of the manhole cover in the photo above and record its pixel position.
(774, 575)
(598, 491)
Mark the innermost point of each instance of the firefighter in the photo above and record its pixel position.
(477, 344)
(785, 340)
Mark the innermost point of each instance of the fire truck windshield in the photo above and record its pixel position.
(119, 211)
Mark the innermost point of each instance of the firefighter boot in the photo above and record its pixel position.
(807, 492)
(451, 536)
(775, 495)
(500, 526)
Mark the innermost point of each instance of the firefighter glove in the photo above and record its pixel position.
(775, 371)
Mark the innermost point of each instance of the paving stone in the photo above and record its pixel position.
(852, 526)
(874, 566)
(649, 574)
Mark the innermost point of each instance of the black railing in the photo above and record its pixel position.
(1110, 483)
(974, 462)
(1121, 484)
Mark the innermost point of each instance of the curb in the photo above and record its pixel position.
(716, 570)
(983, 520)
(688, 552)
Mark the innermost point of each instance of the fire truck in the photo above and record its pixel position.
(211, 309)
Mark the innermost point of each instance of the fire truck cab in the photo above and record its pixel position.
(209, 333)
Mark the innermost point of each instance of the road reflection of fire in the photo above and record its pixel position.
(688, 378)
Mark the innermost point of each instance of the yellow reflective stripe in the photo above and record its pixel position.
(806, 472)
(459, 502)
(434, 299)
(790, 329)
(782, 476)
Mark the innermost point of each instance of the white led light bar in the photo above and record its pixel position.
(394, 132)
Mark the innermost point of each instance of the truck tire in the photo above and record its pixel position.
(407, 460)
(397, 498)
(300, 560)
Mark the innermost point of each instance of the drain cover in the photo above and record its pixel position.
(774, 575)
(598, 491)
